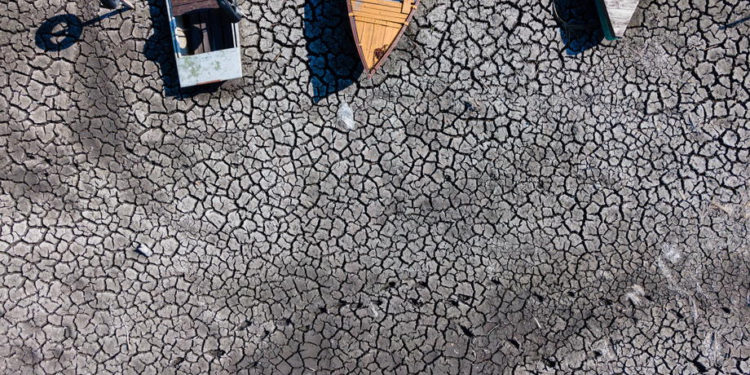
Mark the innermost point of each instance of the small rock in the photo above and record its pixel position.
(346, 116)
(144, 250)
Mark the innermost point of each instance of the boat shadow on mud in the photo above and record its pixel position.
(332, 59)
(160, 50)
(580, 28)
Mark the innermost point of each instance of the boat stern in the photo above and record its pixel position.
(209, 67)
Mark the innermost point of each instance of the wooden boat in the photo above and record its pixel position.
(206, 40)
(615, 16)
(377, 25)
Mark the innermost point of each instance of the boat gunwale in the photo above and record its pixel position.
(355, 34)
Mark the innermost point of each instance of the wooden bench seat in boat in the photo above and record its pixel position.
(180, 7)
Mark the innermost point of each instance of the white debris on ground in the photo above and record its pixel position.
(144, 250)
(346, 116)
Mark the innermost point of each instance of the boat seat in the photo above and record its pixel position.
(206, 31)
(181, 7)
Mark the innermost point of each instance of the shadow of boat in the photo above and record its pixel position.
(332, 59)
(579, 24)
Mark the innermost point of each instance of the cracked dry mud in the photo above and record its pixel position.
(497, 207)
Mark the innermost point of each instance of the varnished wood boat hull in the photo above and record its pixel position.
(377, 26)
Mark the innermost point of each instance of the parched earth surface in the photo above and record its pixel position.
(497, 206)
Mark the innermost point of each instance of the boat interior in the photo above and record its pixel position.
(203, 31)
(378, 24)
(201, 26)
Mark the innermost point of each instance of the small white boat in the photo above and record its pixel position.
(206, 40)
